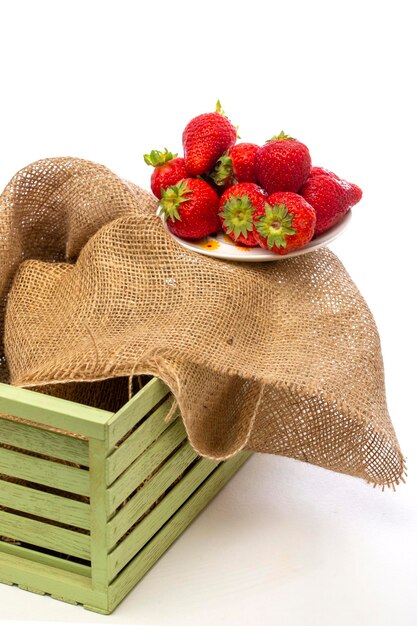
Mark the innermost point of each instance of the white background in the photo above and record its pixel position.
(284, 543)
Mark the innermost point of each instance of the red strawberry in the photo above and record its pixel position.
(286, 223)
(205, 138)
(191, 208)
(237, 165)
(237, 206)
(330, 196)
(282, 164)
(169, 170)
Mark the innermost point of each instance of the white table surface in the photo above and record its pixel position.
(285, 543)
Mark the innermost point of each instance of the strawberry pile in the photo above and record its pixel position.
(268, 196)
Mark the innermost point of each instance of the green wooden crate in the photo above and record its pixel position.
(85, 513)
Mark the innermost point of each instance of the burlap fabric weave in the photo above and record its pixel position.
(281, 357)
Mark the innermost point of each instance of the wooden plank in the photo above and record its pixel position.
(150, 525)
(42, 578)
(98, 450)
(172, 529)
(44, 472)
(144, 465)
(56, 412)
(138, 441)
(37, 502)
(44, 535)
(149, 493)
(43, 442)
(134, 410)
(46, 559)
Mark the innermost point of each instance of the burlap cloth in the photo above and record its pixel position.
(280, 358)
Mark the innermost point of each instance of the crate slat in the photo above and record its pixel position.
(98, 451)
(172, 529)
(144, 465)
(138, 441)
(141, 485)
(149, 493)
(37, 502)
(150, 525)
(45, 535)
(45, 559)
(44, 578)
(43, 442)
(56, 412)
(134, 410)
(44, 472)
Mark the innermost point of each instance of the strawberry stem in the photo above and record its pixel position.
(219, 108)
(279, 137)
(222, 112)
(275, 225)
(223, 172)
(172, 198)
(237, 213)
(157, 158)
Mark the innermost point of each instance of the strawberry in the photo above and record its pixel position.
(330, 196)
(205, 138)
(191, 208)
(237, 206)
(169, 170)
(282, 164)
(237, 165)
(285, 223)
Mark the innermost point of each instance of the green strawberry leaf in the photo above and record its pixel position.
(156, 157)
(282, 135)
(223, 171)
(237, 213)
(275, 225)
(219, 108)
(172, 198)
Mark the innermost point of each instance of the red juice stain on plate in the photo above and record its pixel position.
(229, 240)
(210, 244)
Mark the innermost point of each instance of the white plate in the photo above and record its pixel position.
(220, 246)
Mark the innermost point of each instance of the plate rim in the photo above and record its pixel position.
(263, 255)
